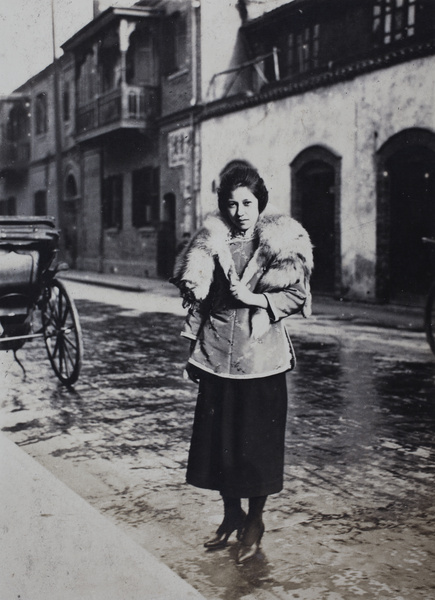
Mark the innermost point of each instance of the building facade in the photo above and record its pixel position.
(123, 139)
(333, 102)
(106, 139)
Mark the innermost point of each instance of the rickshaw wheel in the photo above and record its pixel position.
(62, 332)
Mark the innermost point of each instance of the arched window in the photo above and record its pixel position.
(18, 124)
(71, 187)
(41, 121)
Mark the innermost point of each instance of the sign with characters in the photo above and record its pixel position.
(179, 146)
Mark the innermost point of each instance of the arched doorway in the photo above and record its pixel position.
(406, 213)
(315, 174)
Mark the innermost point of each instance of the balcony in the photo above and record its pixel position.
(14, 156)
(126, 107)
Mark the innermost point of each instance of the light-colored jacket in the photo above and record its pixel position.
(230, 339)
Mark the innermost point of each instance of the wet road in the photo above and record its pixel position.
(356, 518)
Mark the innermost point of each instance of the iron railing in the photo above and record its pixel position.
(126, 106)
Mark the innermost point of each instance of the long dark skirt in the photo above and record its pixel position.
(237, 444)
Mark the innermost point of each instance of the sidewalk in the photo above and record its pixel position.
(55, 546)
(409, 318)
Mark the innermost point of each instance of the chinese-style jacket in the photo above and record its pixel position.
(230, 339)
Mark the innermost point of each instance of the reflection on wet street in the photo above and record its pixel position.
(356, 517)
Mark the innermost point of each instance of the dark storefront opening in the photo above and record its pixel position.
(316, 193)
(405, 214)
(412, 215)
(40, 203)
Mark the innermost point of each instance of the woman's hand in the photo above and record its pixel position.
(241, 293)
(191, 372)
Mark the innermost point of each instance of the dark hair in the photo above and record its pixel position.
(242, 176)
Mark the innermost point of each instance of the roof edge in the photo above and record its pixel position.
(104, 19)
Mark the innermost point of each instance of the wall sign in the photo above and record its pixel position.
(179, 146)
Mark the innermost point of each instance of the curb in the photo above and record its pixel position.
(388, 316)
(106, 281)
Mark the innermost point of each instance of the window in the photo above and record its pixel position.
(298, 51)
(140, 62)
(112, 202)
(307, 48)
(41, 122)
(86, 79)
(8, 208)
(175, 43)
(17, 124)
(40, 208)
(66, 99)
(71, 188)
(108, 62)
(393, 20)
(146, 192)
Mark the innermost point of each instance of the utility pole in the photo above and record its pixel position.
(57, 131)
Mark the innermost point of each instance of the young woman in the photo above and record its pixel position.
(243, 272)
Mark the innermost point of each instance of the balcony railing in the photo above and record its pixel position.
(125, 107)
(250, 77)
(14, 156)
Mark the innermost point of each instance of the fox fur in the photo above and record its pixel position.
(284, 256)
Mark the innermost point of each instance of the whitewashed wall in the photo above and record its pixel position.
(353, 119)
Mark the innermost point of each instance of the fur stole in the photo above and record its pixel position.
(283, 256)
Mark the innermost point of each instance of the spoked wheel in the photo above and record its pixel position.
(62, 332)
(429, 318)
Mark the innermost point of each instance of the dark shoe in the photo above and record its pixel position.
(225, 529)
(250, 540)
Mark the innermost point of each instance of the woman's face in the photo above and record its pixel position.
(242, 209)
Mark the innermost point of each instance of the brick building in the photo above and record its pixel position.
(103, 139)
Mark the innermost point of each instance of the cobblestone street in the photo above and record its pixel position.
(356, 518)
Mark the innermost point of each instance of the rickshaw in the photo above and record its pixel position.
(33, 297)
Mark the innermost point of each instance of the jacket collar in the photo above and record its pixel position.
(280, 238)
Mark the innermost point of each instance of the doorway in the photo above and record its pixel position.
(315, 190)
(412, 173)
(166, 236)
(406, 213)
